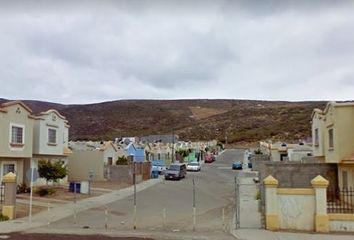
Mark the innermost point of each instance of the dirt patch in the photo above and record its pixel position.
(110, 185)
(22, 210)
(201, 113)
(61, 194)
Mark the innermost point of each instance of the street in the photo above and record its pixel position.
(20, 236)
(214, 187)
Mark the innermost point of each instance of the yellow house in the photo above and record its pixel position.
(333, 139)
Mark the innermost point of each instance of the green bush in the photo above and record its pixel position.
(22, 188)
(45, 191)
(3, 217)
(258, 151)
(122, 160)
(52, 171)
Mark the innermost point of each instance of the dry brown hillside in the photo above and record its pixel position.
(239, 120)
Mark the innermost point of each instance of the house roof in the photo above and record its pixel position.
(107, 145)
(11, 103)
(316, 111)
(336, 104)
(92, 146)
(50, 111)
(168, 138)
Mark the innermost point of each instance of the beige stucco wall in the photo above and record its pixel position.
(350, 173)
(81, 162)
(22, 119)
(41, 127)
(296, 212)
(344, 134)
(318, 123)
(110, 152)
(275, 155)
(341, 120)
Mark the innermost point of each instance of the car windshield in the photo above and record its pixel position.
(194, 164)
(174, 167)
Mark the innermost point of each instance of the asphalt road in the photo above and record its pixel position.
(31, 236)
(214, 187)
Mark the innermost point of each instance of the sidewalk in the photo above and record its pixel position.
(65, 210)
(256, 234)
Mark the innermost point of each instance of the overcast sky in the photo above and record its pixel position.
(96, 51)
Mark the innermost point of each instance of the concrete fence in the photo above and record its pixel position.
(124, 173)
(303, 209)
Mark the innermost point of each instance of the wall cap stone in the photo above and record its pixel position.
(9, 178)
(270, 181)
(319, 181)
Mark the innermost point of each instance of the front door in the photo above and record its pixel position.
(7, 167)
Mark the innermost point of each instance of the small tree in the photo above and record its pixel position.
(122, 160)
(52, 171)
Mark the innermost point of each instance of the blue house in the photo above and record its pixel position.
(137, 152)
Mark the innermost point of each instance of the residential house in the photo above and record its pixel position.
(333, 137)
(50, 140)
(16, 141)
(136, 151)
(160, 151)
(282, 151)
(91, 158)
(168, 138)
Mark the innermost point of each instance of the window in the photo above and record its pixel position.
(17, 135)
(330, 138)
(110, 161)
(316, 137)
(7, 168)
(52, 136)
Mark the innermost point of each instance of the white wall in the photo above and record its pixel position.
(296, 212)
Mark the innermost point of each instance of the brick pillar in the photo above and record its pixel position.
(9, 208)
(320, 185)
(271, 204)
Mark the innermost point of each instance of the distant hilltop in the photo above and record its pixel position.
(203, 119)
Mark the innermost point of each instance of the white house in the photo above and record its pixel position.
(50, 140)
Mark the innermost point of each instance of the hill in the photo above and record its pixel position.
(238, 120)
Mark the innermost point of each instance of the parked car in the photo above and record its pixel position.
(209, 158)
(176, 171)
(237, 165)
(193, 166)
(159, 166)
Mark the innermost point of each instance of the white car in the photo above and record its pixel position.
(193, 166)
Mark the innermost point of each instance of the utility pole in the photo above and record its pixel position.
(194, 208)
(134, 181)
(173, 145)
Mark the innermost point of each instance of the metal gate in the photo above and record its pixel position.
(249, 209)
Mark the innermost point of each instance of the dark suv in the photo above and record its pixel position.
(176, 171)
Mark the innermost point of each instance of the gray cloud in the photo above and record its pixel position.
(104, 50)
